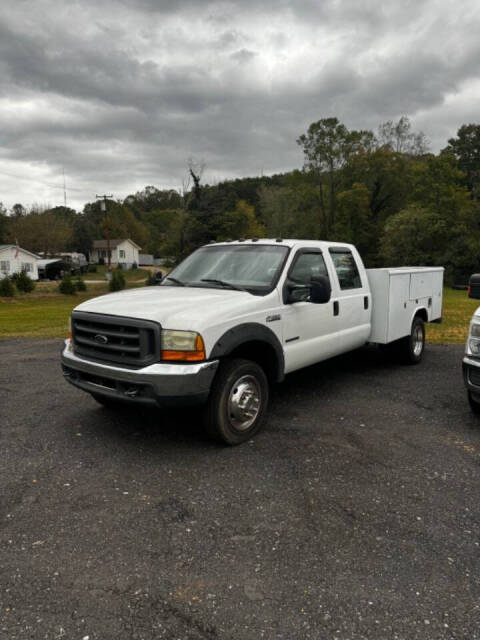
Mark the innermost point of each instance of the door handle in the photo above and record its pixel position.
(336, 308)
(365, 302)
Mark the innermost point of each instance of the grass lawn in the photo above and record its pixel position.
(457, 313)
(44, 313)
(130, 274)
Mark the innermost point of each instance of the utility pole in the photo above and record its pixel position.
(103, 207)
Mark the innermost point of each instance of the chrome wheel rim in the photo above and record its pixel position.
(417, 341)
(244, 402)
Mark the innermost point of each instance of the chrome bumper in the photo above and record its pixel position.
(158, 384)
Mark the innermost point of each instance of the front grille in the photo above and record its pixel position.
(126, 341)
(474, 375)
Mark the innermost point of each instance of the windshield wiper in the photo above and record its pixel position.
(179, 282)
(230, 285)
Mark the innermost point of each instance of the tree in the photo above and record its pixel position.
(152, 199)
(117, 282)
(7, 288)
(120, 222)
(157, 223)
(290, 212)
(438, 185)
(4, 225)
(67, 286)
(18, 210)
(415, 236)
(41, 231)
(327, 146)
(400, 137)
(387, 175)
(466, 149)
(241, 223)
(354, 221)
(24, 283)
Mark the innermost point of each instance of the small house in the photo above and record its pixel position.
(14, 259)
(122, 252)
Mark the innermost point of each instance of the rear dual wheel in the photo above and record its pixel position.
(238, 401)
(409, 350)
(412, 346)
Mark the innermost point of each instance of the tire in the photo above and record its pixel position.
(474, 405)
(411, 347)
(225, 418)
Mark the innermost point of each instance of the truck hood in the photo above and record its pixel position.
(188, 308)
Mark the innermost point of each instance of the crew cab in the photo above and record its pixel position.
(235, 317)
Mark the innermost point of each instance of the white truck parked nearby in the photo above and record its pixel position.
(235, 317)
(471, 360)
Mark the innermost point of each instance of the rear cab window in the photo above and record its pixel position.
(346, 269)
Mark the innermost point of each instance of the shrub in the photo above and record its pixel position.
(150, 282)
(118, 280)
(24, 283)
(92, 268)
(80, 285)
(7, 287)
(134, 265)
(67, 286)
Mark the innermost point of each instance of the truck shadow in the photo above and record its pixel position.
(183, 426)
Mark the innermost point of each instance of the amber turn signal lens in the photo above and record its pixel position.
(186, 356)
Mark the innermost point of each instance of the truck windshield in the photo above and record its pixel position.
(253, 267)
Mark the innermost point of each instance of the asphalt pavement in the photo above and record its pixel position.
(354, 514)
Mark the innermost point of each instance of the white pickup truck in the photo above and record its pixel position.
(471, 360)
(235, 317)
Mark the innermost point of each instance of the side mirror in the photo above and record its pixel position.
(158, 277)
(320, 289)
(474, 286)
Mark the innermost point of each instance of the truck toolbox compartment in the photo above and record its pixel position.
(396, 295)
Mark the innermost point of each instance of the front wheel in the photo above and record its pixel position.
(238, 401)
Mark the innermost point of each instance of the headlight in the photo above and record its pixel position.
(475, 330)
(182, 345)
(474, 346)
(473, 342)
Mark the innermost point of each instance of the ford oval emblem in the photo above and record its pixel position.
(100, 338)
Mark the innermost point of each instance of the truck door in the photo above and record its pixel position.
(352, 299)
(310, 331)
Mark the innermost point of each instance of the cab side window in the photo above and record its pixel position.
(305, 266)
(346, 269)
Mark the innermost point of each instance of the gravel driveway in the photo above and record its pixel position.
(354, 514)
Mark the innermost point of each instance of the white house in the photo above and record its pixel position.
(124, 252)
(14, 259)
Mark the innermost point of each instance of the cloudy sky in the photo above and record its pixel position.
(122, 92)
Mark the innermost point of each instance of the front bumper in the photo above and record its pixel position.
(471, 376)
(157, 384)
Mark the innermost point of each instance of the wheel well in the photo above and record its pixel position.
(263, 354)
(422, 313)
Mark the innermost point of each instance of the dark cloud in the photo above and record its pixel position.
(121, 94)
